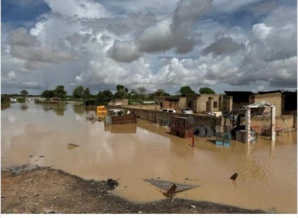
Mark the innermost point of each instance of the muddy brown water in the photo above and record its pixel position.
(40, 135)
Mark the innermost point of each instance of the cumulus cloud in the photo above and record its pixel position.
(138, 43)
(185, 15)
(157, 38)
(167, 33)
(224, 45)
(124, 51)
(78, 8)
(20, 37)
(283, 72)
(39, 54)
(26, 47)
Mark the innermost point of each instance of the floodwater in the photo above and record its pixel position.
(40, 135)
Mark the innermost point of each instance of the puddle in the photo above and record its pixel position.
(40, 135)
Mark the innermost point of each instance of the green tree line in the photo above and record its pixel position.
(137, 95)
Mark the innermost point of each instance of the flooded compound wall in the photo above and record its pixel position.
(281, 122)
(163, 118)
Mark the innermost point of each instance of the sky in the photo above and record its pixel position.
(226, 45)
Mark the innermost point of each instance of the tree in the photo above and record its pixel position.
(160, 92)
(186, 90)
(103, 97)
(122, 92)
(60, 92)
(86, 93)
(48, 94)
(78, 92)
(142, 92)
(121, 87)
(133, 94)
(206, 90)
(24, 92)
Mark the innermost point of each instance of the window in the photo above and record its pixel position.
(215, 104)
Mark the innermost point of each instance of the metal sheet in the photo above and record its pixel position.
(164, 186)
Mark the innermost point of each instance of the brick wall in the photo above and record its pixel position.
(272, 98)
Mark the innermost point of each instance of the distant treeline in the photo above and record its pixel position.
(5, 101)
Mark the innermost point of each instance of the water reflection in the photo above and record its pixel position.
(23, 106)
(120, 128)
(59, 110)
(78, 109)
(267, 173)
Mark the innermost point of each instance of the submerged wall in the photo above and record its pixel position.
(163, 118)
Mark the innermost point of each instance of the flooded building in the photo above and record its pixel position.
(285, 102)
(174, 102)
(204, 103)
(237, 99)
(201, 103)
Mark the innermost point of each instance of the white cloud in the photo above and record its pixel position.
(11, 75)
(261, 31)
(78, 8)
(139, 43)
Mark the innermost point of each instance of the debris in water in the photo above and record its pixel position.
(170, 193)
(169, 188)
(72, 146)
(234, 177)
(112, 183)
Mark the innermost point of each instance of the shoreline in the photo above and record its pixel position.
(46, 190)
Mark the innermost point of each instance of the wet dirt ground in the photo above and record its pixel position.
(45, 190)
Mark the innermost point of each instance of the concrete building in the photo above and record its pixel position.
(237, 99)
(174, 102)
(285, 102)
(202, 103)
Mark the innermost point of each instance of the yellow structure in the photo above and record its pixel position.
(101, 111)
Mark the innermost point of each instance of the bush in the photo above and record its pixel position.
(21, 100)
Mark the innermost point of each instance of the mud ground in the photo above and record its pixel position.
(46, 190)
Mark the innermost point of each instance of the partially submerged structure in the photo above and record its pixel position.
(119, 116)
(247, 134)
(181, 126)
